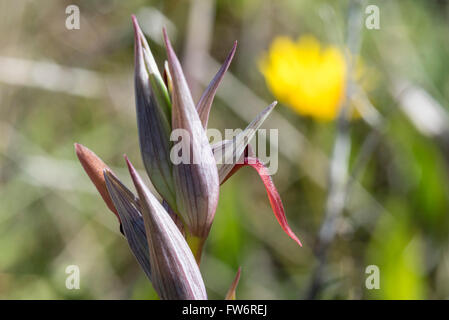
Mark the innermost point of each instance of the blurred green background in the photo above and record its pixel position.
(60, 86)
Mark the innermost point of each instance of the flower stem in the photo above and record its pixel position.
(196, 245)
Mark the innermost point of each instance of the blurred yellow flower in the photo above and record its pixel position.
(305, 76)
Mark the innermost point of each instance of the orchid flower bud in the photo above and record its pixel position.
(174, 272)
(120, 201)
(153, 109)
(196, 182)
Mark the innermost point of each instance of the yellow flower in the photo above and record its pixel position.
(305, 76)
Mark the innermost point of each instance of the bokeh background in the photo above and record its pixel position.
(60, 86)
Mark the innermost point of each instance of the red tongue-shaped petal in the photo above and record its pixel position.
(273, 195)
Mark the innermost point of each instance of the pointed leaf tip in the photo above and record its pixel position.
(143, 48)
(94, 167)
(166, 39)
(232, 289)
(132, 170)
(205, 103)
(135, 22)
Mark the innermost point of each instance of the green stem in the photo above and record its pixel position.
(196, 245)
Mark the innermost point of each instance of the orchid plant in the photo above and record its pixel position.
(166, 229)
